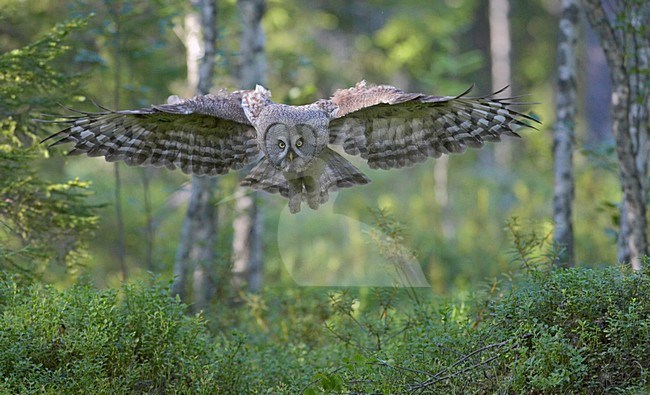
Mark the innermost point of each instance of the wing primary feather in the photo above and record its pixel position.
(208, 136)
(468, 90)
(429, 125)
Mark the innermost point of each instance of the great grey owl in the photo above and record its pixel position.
(290, 145)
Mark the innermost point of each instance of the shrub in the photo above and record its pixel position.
(133, 340)
(576, 330)
(553, 331)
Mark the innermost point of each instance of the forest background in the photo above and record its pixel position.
(456, 209)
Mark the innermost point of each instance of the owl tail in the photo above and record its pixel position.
(329, 172)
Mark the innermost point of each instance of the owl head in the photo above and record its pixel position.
(291, 137)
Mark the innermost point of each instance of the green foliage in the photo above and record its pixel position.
(133, 50)
(406, 38)
(532, 246)
(549, 334)
(550, 331)
(276, 342)
(309, 44)
(541, 330)
(578, 330)
(135, 340)
(42, 222)
(29, 76)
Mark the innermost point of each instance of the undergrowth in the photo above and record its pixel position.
(82, 340)
(538, 330)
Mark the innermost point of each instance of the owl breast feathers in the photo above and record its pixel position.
(289, 146)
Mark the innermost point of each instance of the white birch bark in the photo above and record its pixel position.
(564, 133)
(500, 48)
(622, 28)
(199, 232)
(248, 225)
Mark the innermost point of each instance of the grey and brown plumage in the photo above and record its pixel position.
(290, 145)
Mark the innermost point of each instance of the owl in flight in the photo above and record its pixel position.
(289, 146)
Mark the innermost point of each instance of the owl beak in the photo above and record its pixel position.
(290, 156)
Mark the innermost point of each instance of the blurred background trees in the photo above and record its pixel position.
(622, 28)
(198, 237)
(248, 225)
(132, 54)
(564, 130)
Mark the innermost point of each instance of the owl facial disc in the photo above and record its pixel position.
(290, 148)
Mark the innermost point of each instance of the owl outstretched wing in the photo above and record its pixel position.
(205, 135)
(391, 128)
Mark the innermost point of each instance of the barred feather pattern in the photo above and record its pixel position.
(402, 129)
(173, 136)
(267, 178)
(329, 173)
(341, 173)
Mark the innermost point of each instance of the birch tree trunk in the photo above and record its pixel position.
(624, 36)
(117, 40)
(196, 249)
(599, 91)
(248, 225)
(564, 134)
(500, 47)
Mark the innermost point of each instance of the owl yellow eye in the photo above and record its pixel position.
(299, 143)
(281, 144)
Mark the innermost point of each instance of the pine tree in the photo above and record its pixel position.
(41, 222)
